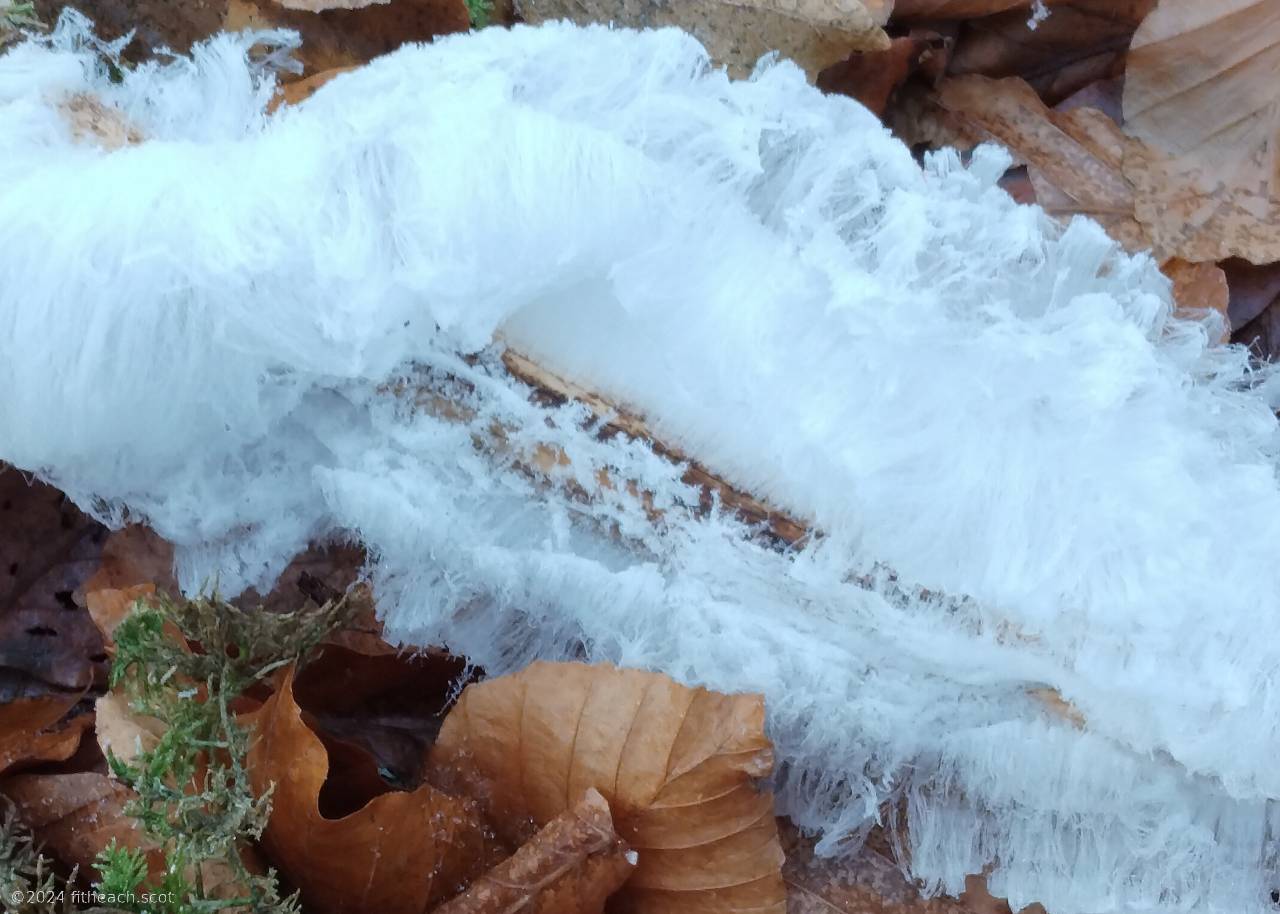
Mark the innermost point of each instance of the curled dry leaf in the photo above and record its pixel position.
(571, 866)
(400, 852)
(676, 765)
(391, 706)
(43, 729)
(737, 33)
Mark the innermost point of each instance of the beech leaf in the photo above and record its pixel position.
(1201, 78)
(47, 549)
(955, 9)
(1200, 90)
(346, 33)
(401, 853)
(736, 33)
(75, 815)
(39, 730)
(676, 766)
(1082, 162)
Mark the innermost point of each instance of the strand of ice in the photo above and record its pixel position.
(209, 330)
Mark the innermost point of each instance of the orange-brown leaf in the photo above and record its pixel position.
(1200, 88)
(121, 730)
(736, 33)
(39, 730)
(571, 866)
(676, 765)
(348, 37)
(133, 556)
(954, 9)
(1075, 157)
(872, 77)
(75, 815)
(110, 606)
(1199, 287)
(1080, 42)
(1201, 79)
(400, 852)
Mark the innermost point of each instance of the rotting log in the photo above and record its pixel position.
(783, 530)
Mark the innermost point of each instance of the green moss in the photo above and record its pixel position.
(185, 662)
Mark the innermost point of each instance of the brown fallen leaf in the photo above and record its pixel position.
(122, 731)
(75, 815)
(1199, 287)
(319, 6)
(389, 705)
(872, 77)
(156, 24)
(676, 765)
(400, 852)
(294, 93)
(1201, 81)
(47, 548)
(1074, 158)
(110, 606)
(956, 9)
(344, 37)
(571, 866)
(1255, 305)
(1200, 92)
(133, 556)
(1081, 42)
(736, 33)
(1082, 162)
(1254, 289)
(43, 729)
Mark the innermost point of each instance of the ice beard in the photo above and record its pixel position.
(227, 330)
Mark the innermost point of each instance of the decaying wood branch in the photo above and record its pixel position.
(782, 529)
